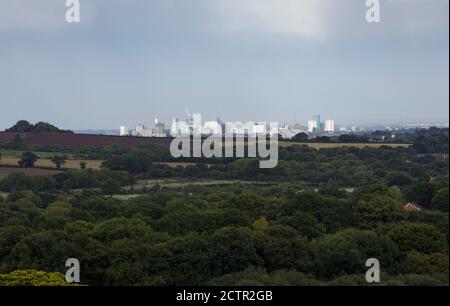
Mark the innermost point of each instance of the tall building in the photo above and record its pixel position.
(314, 125)
(212, 128)
(311, 126)
(160, 129)
(123, 130)
(356, 129)
(259, 128)
(329, 126)
(140, 130)
(176, 129)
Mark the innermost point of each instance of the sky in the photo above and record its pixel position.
(243, 60)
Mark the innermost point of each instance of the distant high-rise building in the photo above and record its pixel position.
(314, 125)
(123, 130)
(329, 126)
(259, 128)
(311, 126)
(316, 118)
(160, 129)
(212, 128)
(356, 129)
(175, 128)
(140, 130)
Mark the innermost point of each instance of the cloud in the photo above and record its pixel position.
(329, 19)
(305, 18)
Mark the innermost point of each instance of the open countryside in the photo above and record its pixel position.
(47, 163)
(226, 221)
(12, 157)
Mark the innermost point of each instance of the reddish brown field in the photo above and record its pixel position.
(72, 141)
(69, 141)
(4, 171)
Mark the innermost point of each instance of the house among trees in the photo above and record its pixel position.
(412, 207)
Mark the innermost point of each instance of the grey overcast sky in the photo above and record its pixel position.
(265, 60)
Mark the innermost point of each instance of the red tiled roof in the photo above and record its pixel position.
(412, 207)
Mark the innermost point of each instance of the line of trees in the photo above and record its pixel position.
(24, 126)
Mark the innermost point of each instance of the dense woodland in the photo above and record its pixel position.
(313, 220)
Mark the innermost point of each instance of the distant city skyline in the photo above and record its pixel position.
(241, 60)
(303, 123)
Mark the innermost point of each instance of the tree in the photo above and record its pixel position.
(332, 213)
(399, 179)
(261, 224)
(440, 200)
(256, 276)
(302, 137)
(28, 159)
(349, 138)
(111, 187)
(424, 238)
(83, 164)
(22, 126)
(187, 263)
(419, 263)
(373, 209)
(422, 193)
(42, 127)
(306, 224)
(59, 209)
(33, 278)
(133, 162)
(346, 252)
(58, 160)
(282, 248)
(322, 139)
(232, 249)
(120, 272)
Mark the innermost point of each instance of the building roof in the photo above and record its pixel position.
(412, 207)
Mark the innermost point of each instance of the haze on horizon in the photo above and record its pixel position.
(260, 60)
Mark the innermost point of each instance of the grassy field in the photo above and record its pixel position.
(285, 144)
(177, 183)
(47, 163)
(175, 164)
(125, 197)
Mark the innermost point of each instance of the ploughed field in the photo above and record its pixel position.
(65, 141)
(4, 171)
(73, 141)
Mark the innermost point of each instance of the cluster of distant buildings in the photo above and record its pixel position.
(190, 126)
(316, 126)
(158, 130)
